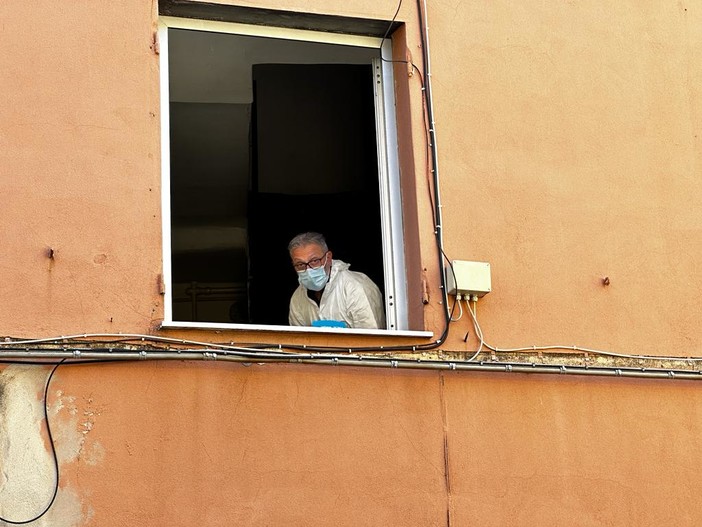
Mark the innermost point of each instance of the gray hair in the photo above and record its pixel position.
(308, 238)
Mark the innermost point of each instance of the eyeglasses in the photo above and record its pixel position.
(314, 263)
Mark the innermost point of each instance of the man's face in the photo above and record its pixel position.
(310, 256)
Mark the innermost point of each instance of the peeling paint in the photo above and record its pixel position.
(27, 479)
(65, 512)
(73, 441)
(27, 471)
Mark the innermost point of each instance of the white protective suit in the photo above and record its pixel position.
(349, 296)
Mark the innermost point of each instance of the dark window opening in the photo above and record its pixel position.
(268, 138)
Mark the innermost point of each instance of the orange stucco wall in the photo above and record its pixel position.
(193, 444)
(570, 141)
(569, 148)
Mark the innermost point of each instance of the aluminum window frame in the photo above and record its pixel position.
(388, 173)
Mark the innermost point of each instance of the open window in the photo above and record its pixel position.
(267, 132)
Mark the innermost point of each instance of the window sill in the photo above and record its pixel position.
(297, 329)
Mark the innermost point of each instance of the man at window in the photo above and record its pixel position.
(330, 294)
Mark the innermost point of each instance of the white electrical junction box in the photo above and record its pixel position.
(468, 278)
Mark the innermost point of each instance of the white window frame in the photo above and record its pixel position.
(388, 174)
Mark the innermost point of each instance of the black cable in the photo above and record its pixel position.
(434, 167)
(430, 153)
(48, 425)
(385, 36)
(399, 5)
(53, 452)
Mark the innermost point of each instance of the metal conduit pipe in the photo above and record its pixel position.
(88, 357)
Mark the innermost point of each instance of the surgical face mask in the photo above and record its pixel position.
(314, 279)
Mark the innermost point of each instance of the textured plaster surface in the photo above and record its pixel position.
(569, 142)
(28, 476)
(568, 154)
(319, 445)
